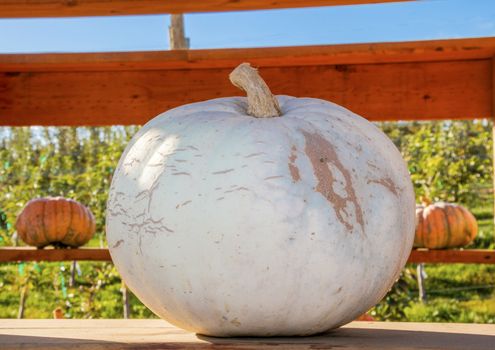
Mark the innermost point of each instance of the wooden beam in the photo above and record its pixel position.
(68, 8)
(405, 91)
(318, 55)
(12, 254)
(468, 256)
(446, 79)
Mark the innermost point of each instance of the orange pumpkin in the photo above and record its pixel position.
(55, 220)
(365, 317)
(444, 225)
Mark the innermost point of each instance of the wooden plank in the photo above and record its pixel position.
(68, 8)
(405, 91)
(176, 34)
(397, 52)
(468, 256)
(130, 88)
(158, 334)
(11, 254)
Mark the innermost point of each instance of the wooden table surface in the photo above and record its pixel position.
(157, 334)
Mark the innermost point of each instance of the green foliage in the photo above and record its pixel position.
(450, 161)
(74, 163)
(392, 307)
(447, 160)
(95, 293)
(451, 310)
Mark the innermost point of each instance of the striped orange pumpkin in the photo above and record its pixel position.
(444, 225)
(55, 220)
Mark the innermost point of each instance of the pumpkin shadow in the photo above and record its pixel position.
(362, 338)
(158, 336)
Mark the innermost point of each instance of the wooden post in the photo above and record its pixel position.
(72, 281)
(421, 282)
(125, 301)
(22, 301)
(177, 37)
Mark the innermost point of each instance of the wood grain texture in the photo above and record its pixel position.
(10, 254)
(405, 91)
(470, 256)
(67, 8)
(394, 52)
(445, 79)
(158, 334)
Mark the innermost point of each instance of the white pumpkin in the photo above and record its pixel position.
(226, 224)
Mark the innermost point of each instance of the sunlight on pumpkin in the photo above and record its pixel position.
(155, 162)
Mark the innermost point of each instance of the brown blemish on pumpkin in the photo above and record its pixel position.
(321, 152)
(131, 162)
(387, 183)
(222, 172)
(236, 322)
(181, 173)
(273, 177)
(237, 189)
(293, 169)
(155, 165)
(118, 243)
(254, 154)
(372, 165)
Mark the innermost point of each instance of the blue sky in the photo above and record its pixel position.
(422, 20)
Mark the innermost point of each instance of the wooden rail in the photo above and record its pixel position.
(444, 79)
(11, 254)
(68, 8)
(32, 254)
(467, 256)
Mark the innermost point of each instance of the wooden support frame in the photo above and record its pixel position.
(446, 79)
(13, 254)
(65, 8)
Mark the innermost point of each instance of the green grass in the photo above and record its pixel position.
(96, 293)
(451, 310)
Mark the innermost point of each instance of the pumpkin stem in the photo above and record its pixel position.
(261, 102)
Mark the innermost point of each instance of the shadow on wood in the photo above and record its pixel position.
(157, 334)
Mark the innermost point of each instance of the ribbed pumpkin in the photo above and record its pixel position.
(444, 225)
(260, 216)
(55, 220)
